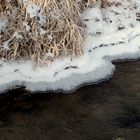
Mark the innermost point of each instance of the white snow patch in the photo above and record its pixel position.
(7, 43)
(34, 11)
(3, 23)
(26, 26)
(111, 34)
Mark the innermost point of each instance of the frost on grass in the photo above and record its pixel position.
(112, 32)
(45, 26)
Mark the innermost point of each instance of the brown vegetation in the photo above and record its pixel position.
(63, 30)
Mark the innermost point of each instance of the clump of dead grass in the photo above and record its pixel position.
(63, 30)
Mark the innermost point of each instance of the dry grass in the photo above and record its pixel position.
(63, 36)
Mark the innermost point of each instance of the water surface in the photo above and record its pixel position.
(107, 111)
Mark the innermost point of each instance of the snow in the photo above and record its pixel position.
(3, 23)
(7, 44)
(34, 11)
(26, 26)
(111, 34)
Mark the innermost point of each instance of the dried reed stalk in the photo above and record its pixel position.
(63, 30)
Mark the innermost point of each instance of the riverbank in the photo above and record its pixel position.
(110, 110)
(111, 33)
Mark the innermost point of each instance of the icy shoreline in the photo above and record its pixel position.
(111, 34)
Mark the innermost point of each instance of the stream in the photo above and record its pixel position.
(106, 111)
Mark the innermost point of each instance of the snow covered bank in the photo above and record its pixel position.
(111, 33)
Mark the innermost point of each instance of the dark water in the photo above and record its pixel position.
(108, 111)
